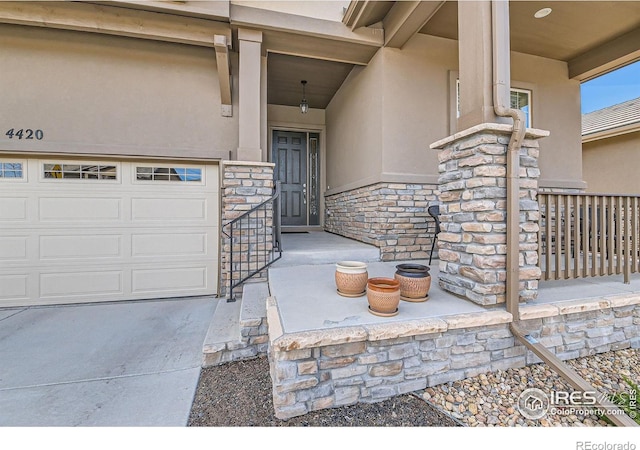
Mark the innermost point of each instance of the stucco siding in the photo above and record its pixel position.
(416, 105)
(556, 108)
(611, 165)
(111, 95)
(354, 128)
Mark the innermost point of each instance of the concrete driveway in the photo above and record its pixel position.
(117, 364)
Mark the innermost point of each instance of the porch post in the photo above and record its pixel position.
(475, 64)
(474, 173)
(250, 96)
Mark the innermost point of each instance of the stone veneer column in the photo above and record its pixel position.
(472, 244)
(245, 184)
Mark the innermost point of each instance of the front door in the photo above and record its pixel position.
(289, 152)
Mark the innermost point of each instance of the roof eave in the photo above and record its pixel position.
(611, 132)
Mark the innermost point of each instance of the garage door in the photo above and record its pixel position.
(90, 230)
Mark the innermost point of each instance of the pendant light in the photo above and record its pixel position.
(304, 104)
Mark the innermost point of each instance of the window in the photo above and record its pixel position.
(184, 174)
(11, 170)
(80, 171)
(520, 99)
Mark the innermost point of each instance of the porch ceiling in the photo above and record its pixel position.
(574, 28)
(284, 73)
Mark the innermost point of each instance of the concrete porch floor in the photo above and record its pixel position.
(304, 287)
(308, 300)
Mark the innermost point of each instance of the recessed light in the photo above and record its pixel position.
(544, 12)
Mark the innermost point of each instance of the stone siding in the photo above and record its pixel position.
(391, 216)
(473, 214)
(331, 368)
(245, 185)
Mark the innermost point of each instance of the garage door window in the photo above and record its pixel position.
(80, 171)
(11, 170)
(180, 174)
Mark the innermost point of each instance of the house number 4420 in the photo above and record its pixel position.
(25, 134)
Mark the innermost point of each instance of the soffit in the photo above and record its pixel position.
(284, 73)
(573, 28)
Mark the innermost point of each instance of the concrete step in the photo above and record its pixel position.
(224, 327)
(323, 248)
(238, 329)
(254, 304)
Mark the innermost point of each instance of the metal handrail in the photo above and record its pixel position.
(258, 252)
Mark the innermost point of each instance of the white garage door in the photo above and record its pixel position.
(89, 230)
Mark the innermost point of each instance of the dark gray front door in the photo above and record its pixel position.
(289, 152)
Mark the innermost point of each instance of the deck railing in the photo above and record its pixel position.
(588, 235)
(254, 241)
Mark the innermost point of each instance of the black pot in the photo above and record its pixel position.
(413, 270)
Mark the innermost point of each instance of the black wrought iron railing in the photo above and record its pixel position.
(254, 241)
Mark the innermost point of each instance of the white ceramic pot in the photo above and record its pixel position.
(352, 267)
(351, 278)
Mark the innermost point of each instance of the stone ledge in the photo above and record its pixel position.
(477, 320)
(319, 338)
(577, 306)
(496, 128)
(404, 329)
(282, 341)
(618, 301)
(248, 163)
(538, 311)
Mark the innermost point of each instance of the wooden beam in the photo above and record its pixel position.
(318, 48)
(606, 57)
(224, 74)
(265, 20)
(114, 21)
(353, 13)
(405, 19)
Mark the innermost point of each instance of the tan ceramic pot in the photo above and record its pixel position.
(414, 279)
(351, 278)
(383, 295)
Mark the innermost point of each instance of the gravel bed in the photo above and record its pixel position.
(239, 394)
(491, 399)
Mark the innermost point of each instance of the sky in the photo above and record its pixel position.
(610, 89)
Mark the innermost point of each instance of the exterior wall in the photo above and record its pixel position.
(354, 129)
(418, 107)
(111, 95)
(556, 108)
(392, 216)
(370, 364)
(611, 165)
(245, 185)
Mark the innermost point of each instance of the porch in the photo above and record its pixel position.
(326, 350)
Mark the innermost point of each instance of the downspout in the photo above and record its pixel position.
(501, 102)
